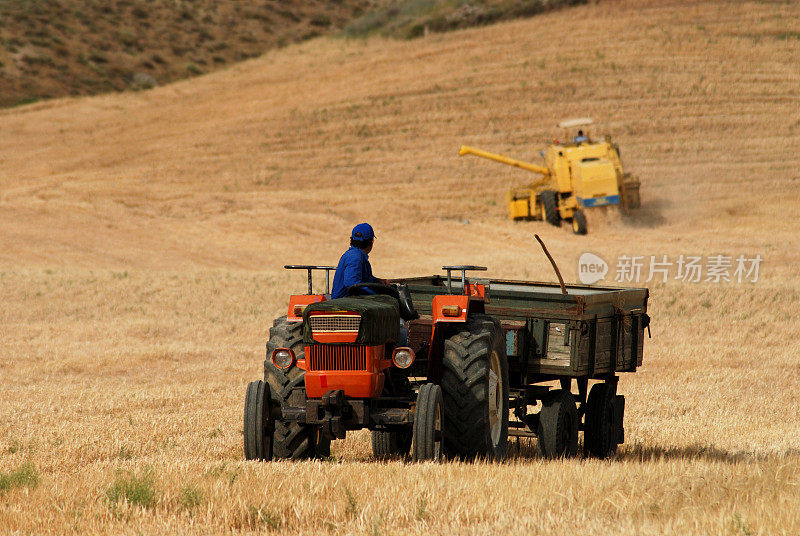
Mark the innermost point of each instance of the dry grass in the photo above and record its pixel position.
(142, 238)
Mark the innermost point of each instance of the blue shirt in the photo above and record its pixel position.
(353, 268)
(580, 139)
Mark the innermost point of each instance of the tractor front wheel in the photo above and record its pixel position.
(427, 440)
(291, 439)
(258, 423)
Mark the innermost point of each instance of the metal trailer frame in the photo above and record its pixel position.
(590, 333)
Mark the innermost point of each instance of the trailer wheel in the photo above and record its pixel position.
(258, 424)
(558, 425)
(390, 443)
(291, 439)
(579, 222)
(600, 437)
(475, 388)
(427, 439)
(550, 214)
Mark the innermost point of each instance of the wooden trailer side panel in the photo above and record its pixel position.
(590, 332)
(604, 345)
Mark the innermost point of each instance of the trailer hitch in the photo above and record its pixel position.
(334, 407)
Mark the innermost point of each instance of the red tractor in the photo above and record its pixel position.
(474, 349)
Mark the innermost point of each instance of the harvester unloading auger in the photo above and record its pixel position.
(577, 175)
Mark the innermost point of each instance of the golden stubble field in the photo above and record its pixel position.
(142, 238)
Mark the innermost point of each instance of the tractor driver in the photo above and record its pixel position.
(354, 267)
(580, 138)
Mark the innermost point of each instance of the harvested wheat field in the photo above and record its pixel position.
(142, 239)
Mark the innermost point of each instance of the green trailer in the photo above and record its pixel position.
(587, 335)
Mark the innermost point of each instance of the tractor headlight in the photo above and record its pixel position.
(403, 357)
(283, 358)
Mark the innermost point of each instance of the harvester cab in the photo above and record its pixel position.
(576, 130)
(578, 174)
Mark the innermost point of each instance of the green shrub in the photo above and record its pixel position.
(26, 475)
(191, 497)
(27, 100)
(192, 68)
(133, 489)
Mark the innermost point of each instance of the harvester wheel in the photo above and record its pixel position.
(550, 213)
(291, 439)
(475, 388)
(579, 222)
(258, 424)
(599, 439)
(427, 441)
(390, 443)
(558, 425)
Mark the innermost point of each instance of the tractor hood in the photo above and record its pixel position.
(379, 318)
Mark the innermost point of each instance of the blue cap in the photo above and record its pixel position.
(362, 231)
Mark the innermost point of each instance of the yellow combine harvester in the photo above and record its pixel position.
(578, 174)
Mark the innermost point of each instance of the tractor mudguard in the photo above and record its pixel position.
(449, 309)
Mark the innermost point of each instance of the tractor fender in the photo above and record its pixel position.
(445, 318)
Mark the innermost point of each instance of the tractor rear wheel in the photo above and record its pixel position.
(558, 425)
(475, 388)
(550, 214)
(579, 222)
(390, 443)
(258, 424)
(600, 437)
(427, 441)
(291, 439)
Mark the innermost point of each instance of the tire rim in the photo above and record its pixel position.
(574, 224)
(437, 433)
(495, 400)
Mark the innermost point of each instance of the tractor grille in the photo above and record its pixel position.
(334, 323)
(337, 357)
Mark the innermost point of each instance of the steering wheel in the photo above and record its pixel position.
(377, 288)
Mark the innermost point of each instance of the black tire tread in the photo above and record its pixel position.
(464, 389)
(598, 440)
(290, 440)
(579, 221)
(423, 444)
(256, 444)
(387, 444)
(557, 406)
(549, 200)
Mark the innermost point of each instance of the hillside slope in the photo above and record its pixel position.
(341, 131)
(65, 47)
(142, 239)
